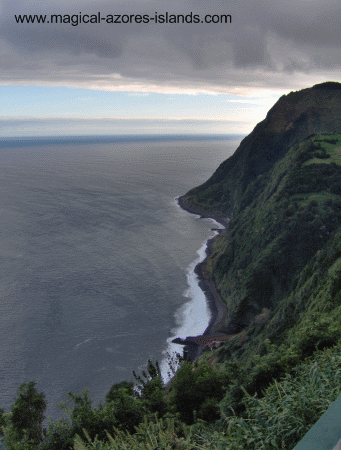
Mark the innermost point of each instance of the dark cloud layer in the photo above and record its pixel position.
(270, 43)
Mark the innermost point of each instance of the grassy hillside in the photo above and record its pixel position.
(258, 261)
(294, 117)
(278, 266)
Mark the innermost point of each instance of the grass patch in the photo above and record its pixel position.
(331, 144)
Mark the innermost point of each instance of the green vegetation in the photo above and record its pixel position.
(326, 150)
(277, 267)
(275, 419)
(23, 427)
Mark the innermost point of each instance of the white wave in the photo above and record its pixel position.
(193, 317)
(82, 343)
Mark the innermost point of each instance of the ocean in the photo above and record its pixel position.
(97, 258)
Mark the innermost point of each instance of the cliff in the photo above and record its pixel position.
(294, 117)
(281, 189)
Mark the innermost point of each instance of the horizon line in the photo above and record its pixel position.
(34, 140)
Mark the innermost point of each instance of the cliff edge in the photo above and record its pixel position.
(282, 192)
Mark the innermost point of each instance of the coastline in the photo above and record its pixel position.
(217, 308)
(214, 216)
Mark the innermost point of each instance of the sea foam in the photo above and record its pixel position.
(193, 317)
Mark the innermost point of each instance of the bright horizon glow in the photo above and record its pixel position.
(54, 111)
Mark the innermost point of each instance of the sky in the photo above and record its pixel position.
(144, 76)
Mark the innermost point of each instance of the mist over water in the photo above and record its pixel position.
(97, 260)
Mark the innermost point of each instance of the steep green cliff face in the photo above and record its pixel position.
(294, 117)
(278, 265)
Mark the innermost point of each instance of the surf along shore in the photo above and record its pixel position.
(219, 313)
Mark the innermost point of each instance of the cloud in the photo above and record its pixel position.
(274, 44)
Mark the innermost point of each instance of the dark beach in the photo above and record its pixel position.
(217, 307)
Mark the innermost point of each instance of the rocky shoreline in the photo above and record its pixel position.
(217, 308)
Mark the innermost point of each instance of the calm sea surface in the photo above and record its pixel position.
(96, 259)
